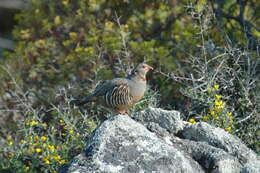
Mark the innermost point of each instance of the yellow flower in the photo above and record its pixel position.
(52, 148)
(26, 168)
(57, 157)
(22, 141)
(220, 104)
(57, 20)
(229, 113)
(192, 121)
(36, 138)
(218, 96)
(228, 129)
(212, 112)
(44, 124)
(10, 142)
(216, 87)
(43, 138)
(47, 160)
(38, 150)
(71, 132)
(61, 121)
(109, 25)
(33, 123)
(205, 118)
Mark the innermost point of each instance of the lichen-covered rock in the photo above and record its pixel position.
(161, 142)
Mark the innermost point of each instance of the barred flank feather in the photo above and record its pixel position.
(118, 96)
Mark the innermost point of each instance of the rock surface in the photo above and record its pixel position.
(156, 140)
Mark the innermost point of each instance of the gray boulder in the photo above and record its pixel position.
(156, 140)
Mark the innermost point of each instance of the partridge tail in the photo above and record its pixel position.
(83, 101)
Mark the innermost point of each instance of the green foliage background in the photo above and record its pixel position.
(80, 42)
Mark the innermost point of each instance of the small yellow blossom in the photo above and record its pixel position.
(52, 148)
(125, 27)
(205, 118)
(220, 104)
(33, 123)
(27, 168)
(22, 141)
(57, 20)
(229, 113)
(228, 129)
(47, 160)
(36, 138)
(57, 157)
(109, 25)
(192, 121)
(38, 150)
(43, 138)
(212, 112)
(71, 132)
(61, 121)
(10, 142)
(35, 144)
(44, 124)
(216, 87)
(218, 96)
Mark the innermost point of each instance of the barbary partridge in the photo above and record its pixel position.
(119, 94)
